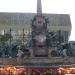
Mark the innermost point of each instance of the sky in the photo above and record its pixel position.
(48, 6)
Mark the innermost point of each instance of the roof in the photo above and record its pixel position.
(17, 20)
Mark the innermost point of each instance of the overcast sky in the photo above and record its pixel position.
(48, 6)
